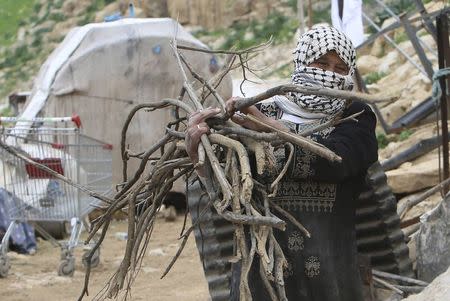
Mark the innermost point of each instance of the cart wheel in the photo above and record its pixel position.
(4, 266)
(65, 253)
(95, 260)
(66, 267)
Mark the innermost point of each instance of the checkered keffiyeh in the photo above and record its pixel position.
(311, 46)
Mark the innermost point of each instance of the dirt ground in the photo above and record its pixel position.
(35, 277)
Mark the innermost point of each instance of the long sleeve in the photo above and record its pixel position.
(354, 142)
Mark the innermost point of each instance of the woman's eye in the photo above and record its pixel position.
(342, 70)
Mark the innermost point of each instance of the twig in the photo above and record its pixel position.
(274, 184)
(413, 201)
(389, 286)
(398, 277)
(291, 219)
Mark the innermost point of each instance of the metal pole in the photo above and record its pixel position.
(395, 45)
(427, 21)
(416, 44)
(310, 14)
(402, 19)
(444, 61)
(301, 16)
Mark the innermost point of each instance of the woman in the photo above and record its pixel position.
(320, 194)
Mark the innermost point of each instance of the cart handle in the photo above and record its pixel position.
(74, 118)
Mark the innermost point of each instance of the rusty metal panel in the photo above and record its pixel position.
(378, 226)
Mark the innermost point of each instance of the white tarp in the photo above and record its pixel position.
(101, 71)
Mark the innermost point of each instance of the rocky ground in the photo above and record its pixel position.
(384, 69)
(34, 277)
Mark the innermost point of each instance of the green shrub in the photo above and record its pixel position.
(397, 6)
(405, 134)
(245, 34)
(373, 77)
(382, 140)
(37, 7)
(58, 17)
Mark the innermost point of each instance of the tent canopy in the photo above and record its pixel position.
(101, 71)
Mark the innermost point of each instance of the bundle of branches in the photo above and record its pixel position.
(234, 192)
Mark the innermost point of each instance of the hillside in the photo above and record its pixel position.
(30, 30)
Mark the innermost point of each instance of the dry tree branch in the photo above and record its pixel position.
(232, 187)
(284, 89)
(305, 143)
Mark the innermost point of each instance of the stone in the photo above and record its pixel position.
(367, 63)
(21, 34)
(377, 49)
(422, 132)
(217, 14)
(157, 252)
(155, 8)
(414, 177)
(421, 208)
(438, 290)
(388, 61)
(170, 214)
(433, 243)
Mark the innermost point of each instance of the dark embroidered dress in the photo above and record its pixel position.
(322, 195)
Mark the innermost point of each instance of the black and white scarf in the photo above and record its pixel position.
(311, 46)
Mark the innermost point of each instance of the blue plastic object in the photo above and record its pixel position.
(156, 49)
(131, 10)
(114, 17)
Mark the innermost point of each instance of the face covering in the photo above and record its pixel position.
(311, 46)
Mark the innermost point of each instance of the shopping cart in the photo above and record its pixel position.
(40, 196)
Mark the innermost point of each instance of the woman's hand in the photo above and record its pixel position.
(252, 110)
(195, 129)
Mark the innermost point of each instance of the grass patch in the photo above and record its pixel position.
(382, 140)
(12, 12)
(400, 37)
(373, 77)
(405, 134)
(58, 17)
(250, 33)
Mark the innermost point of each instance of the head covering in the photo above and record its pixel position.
(312, 45)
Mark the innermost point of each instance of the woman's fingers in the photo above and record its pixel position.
(196, 128)
(200, 116)
(229, 105)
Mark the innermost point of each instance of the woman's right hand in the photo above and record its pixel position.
(195, 129)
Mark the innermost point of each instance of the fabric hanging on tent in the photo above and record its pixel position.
(351, 23)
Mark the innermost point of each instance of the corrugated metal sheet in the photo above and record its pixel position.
(214, 238)
(378, 234)
(378, 226)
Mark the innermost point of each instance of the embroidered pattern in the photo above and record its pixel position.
(295, 241)
(288, 270)
(306, 196)
(270, 109)
(312, 267)
(302, 163)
